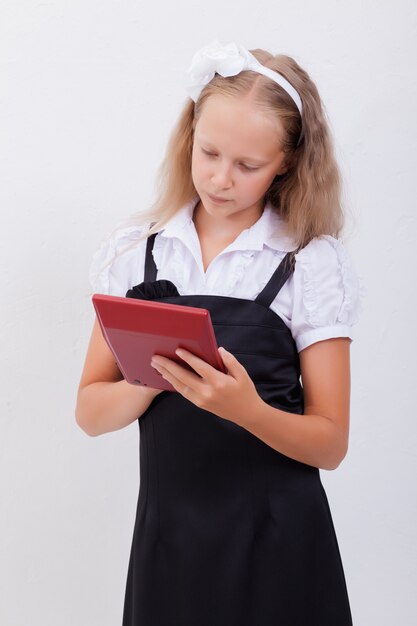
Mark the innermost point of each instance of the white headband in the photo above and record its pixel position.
(228, 60)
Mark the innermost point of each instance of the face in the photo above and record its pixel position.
(236, 155)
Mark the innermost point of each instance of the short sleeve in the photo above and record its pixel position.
(328, 292)
(118, 263)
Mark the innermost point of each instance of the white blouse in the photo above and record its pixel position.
(323, 298)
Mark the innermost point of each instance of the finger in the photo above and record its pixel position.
(179, 386)
(204, 369)
(233, 366)
(180, 373)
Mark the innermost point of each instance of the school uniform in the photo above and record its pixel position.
(228, 531)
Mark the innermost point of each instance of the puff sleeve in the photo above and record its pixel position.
(328, 293)
(118, 263)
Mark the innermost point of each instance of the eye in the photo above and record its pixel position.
(248, 168)
(208, 153)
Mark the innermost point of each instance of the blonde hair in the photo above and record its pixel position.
(307, 196)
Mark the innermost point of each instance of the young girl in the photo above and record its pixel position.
(233, 526)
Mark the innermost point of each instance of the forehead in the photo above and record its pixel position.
(238, 124)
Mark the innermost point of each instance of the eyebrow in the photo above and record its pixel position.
(251, 159)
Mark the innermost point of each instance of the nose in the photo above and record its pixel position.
(222, 176)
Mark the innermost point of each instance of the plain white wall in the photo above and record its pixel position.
(89, 92)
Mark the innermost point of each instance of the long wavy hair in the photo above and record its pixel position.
(307, 196)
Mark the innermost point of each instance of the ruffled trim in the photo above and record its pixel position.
(99, 267)
(354, 290)
(310, 299)
(113, 245)
(178, 268)
(152, 290)
(237, 273)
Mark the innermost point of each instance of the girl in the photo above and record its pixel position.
(233, 526)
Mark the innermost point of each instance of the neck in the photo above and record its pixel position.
(227, 228)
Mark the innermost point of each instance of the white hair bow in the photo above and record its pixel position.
(228, 60)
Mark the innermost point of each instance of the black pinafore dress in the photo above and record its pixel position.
(228, 531)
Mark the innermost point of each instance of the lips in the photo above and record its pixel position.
(216, 198)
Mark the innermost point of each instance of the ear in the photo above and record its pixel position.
(282, 170)
(287, 164)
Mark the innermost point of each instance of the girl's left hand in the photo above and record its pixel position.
(232, 396)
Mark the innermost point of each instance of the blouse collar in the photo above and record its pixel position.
(269, 230)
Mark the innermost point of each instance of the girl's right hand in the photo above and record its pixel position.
(105, 401)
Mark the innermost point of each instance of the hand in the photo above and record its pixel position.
(232, 396)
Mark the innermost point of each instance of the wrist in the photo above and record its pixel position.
(252, 414)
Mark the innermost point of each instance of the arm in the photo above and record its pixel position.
(319, 437)
(105, 401)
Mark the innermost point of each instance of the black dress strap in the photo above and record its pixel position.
(265, 297)
(150, 266)
(277, 280)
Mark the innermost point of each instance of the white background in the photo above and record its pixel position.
(89, 92)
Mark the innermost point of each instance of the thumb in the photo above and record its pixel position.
(231, 362)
